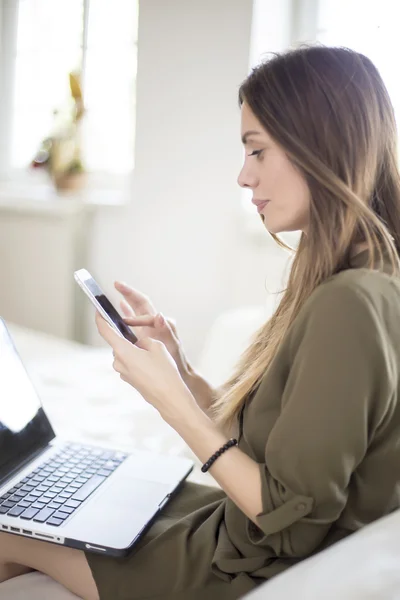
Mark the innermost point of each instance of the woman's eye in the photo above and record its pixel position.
(257, 153)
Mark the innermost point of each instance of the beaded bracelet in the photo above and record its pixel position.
(213, 458)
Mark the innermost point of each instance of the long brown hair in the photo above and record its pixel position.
(329, 109)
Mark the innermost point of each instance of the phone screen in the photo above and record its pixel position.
(110, 310)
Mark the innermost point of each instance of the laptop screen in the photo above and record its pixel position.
(24, 427)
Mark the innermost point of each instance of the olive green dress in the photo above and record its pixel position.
(324, 427)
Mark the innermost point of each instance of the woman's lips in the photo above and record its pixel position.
(262, 205)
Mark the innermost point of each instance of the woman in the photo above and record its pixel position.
(313, 402)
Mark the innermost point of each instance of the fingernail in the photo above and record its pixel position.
(161, 318)
(122, 284)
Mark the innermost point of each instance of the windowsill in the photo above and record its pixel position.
(39, 195)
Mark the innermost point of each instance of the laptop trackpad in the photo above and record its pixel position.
(115, 515)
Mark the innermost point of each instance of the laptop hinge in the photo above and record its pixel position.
(21, 465)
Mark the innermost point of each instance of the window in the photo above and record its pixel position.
(52, 38)
(370, 27)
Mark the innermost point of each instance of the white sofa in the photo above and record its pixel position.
(366, 566)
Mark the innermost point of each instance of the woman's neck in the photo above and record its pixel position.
(358, 248)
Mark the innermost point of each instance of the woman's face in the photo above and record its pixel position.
(280, 192)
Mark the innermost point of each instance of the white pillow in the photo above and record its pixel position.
(364, 566)
(34, 586)
(228, 337)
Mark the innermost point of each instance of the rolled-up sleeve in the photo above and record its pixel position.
(334, 398)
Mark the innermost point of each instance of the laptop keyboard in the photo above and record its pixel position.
(53, 492)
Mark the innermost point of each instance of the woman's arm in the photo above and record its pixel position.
(202, 391)
(237, 474)
(152, 370)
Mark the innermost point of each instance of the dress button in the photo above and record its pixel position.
(301, 506)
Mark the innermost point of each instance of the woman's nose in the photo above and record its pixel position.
(246, 179)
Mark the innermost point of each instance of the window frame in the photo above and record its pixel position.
(96, 180)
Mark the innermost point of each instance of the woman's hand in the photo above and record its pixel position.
(148, 323)
(149, 368)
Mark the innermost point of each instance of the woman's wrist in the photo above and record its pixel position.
(197, 430)
(202, 391)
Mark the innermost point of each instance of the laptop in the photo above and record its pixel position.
(82, 496)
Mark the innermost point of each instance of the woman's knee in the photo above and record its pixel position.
(66, 565)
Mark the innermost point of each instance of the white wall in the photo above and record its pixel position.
(8, 42)
(182, 239)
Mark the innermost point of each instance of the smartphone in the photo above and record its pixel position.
(103, 305)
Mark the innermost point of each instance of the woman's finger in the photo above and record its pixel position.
(126, 309)
(147, 344)
(108, 334)
(136, 300)
(117, 365)
(141, 321)
(161, 325)
(172, 325)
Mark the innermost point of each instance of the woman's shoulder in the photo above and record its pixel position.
(363, 283)
(354, 304)
(360, 291)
